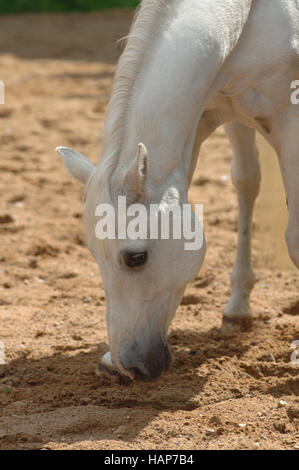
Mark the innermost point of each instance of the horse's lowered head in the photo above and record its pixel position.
(144, 278)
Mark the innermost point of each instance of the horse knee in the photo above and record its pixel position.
(292, 239)
(248, 189)
(246, 178)
(242, 279)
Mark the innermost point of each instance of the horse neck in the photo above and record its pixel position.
(176, 80)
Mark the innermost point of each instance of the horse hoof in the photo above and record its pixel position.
(234, 325)
(106, 366)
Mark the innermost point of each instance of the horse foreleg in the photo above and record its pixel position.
(289, 163)
(245, 172)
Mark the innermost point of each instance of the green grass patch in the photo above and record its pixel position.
(36, 6)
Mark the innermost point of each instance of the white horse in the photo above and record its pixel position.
(188, 67)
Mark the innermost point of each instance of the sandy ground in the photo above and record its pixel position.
(238, 393)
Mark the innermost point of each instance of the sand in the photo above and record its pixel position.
(220, 393)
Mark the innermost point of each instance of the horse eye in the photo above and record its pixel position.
(134, 260)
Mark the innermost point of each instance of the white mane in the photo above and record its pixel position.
(144, 28)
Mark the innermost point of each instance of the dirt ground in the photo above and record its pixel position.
(237, 393)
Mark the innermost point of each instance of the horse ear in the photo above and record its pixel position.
(136, 175)
(76, 164)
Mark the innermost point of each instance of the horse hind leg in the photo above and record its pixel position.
(245, 172)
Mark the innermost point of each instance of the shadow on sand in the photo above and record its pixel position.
(63, 398)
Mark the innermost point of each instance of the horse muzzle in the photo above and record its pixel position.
(143, 365)
(150, 365)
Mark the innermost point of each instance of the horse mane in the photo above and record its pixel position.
(143, 30)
